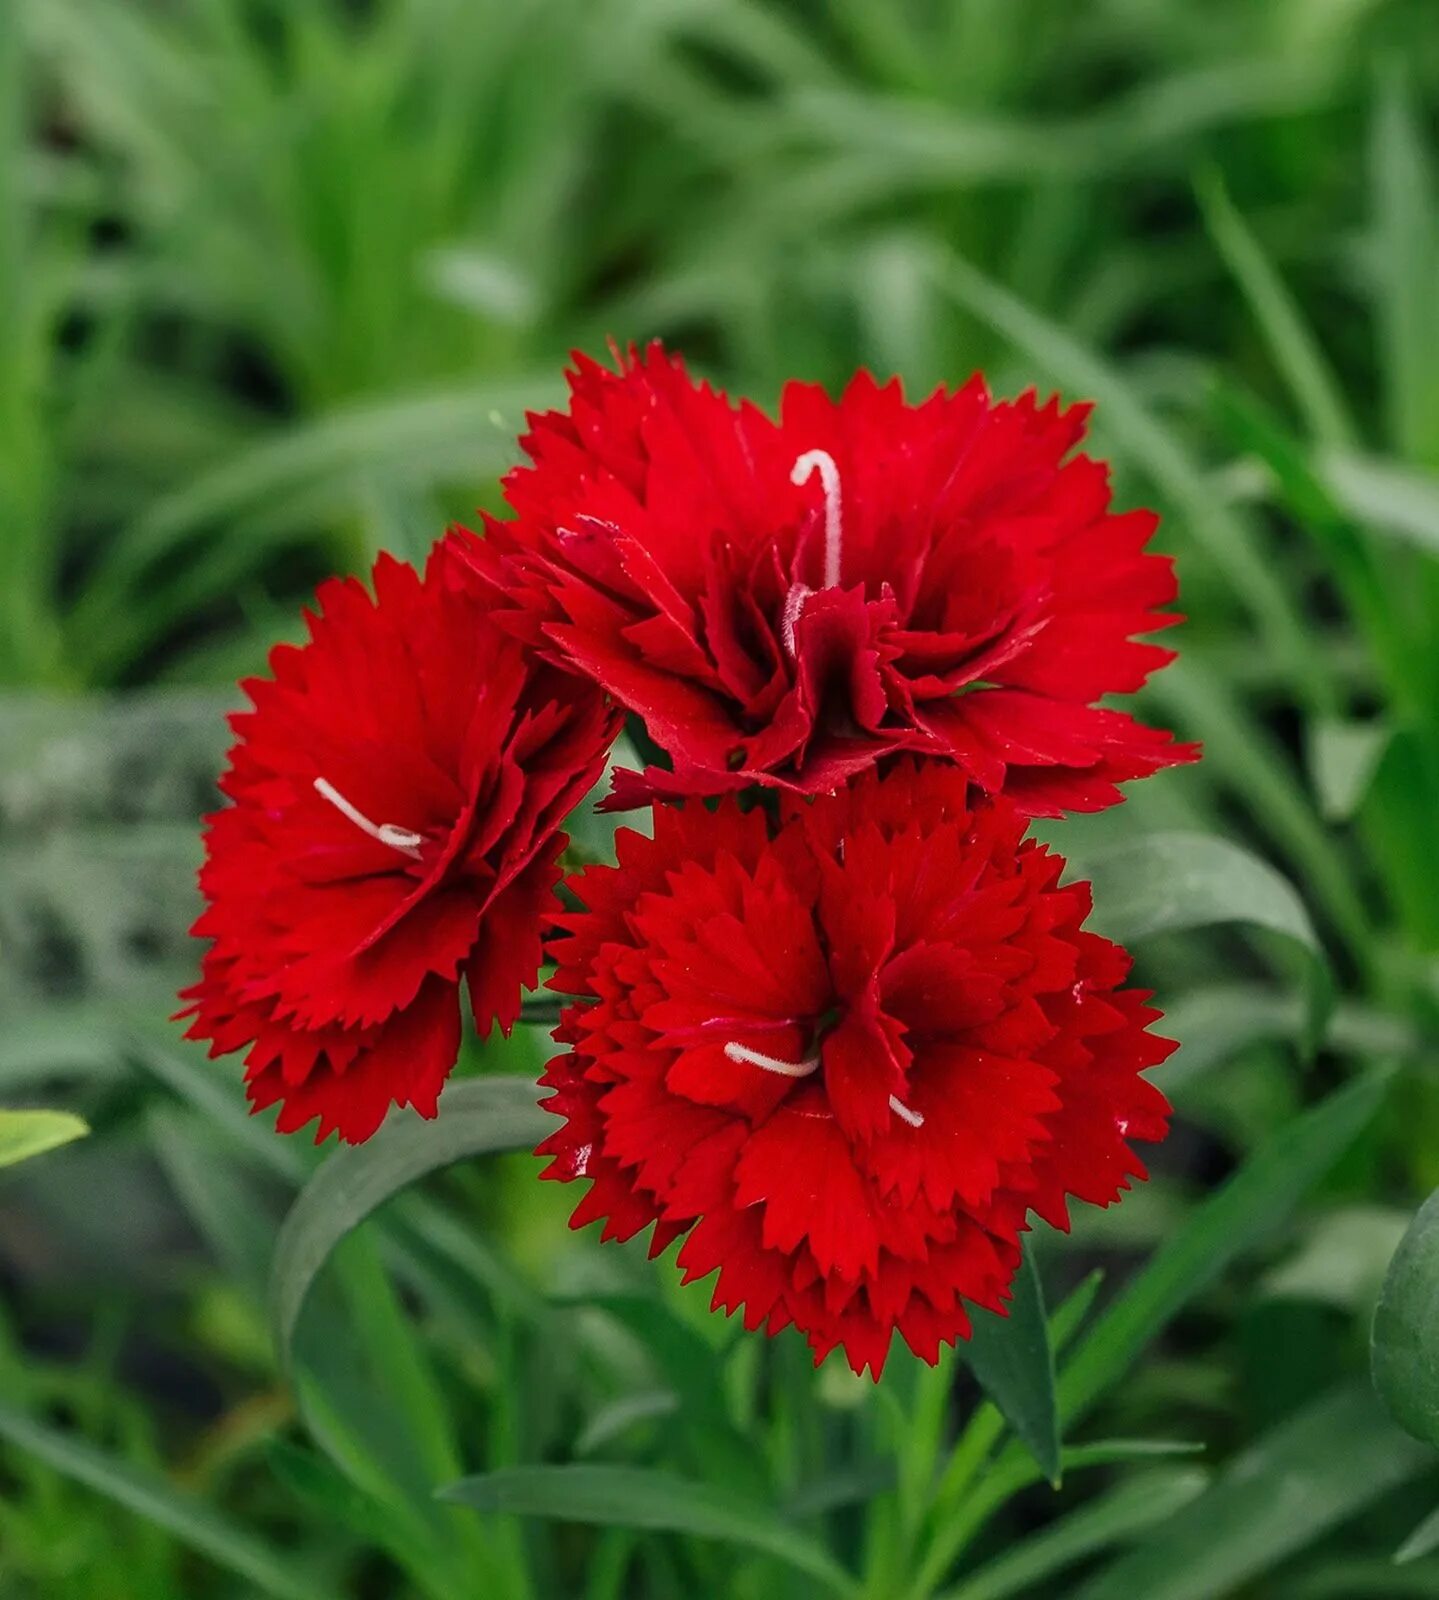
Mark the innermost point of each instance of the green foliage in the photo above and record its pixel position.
(24, 1134)
(1014, 1363)
(280, 281)
(1406, 1371)
(630, 1497)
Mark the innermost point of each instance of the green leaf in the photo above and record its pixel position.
(312, 1480)
(1335, 1577)
(198, 1526)
(854, 1484)
(481, 1117)
(1402, 1351)
(1404, 248)
(1213, 1024)
(1291, 341)
(1250, 1205)
(1400, 501)
(1342, 1259)
(229, 1210)
(1422, 1542)
(686, 1363)
(1012, 1358)
(1070, 1314)
(31, 1133)
(959, 1517)
(1137, 1503)
(617, 1417)
(1314, 1471)
(1217, 1021)
(1246, 757)
(59, 1041)
(1343, 758)
(635, 1497)
(1167, 882)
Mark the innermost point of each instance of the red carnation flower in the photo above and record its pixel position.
(397, 793)
(786, 602)
(846, 1055)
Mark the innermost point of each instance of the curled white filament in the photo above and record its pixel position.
(822, 462)
(388, 833)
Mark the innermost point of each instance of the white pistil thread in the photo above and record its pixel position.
(742, 1054)
(388, 833)
(757, 1058)
(822, 462)
(913, 1118)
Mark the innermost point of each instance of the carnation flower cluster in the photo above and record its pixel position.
(833, 1020)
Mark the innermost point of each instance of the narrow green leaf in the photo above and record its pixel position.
(1335, 1577)
(1069, 1316)
(1311, 1473)
(635, 1497)
(1166, 882)
(220, 1102)
(1404, 249)
(1161, 882)
(200, 1527)
(1422, 1542)
(1105, 1452)
(59, 1041)
(1403, 1356)
(481, 1117)
(1343, 758)
(312, 1480)
(223, 1202)
(961, 1515)
(1250, 1205)
(855, 1484)
(1291, 341)
(686, 1363)
(1400, 501)
(1244, 755)
(1012, 1358)
(1215, 1022)
(31, 1133)
(1136, 1504)
(1342, 1259)
(617, 1417)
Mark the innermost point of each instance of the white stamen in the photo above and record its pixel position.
(388, 833)
(913, 1118)
(757, 1058)
(805, 467)
(804, 1069)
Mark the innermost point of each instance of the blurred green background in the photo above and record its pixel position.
(278, 281)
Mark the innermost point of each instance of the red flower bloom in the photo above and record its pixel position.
(846, 1056)
(397, 793)
(786, 602)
